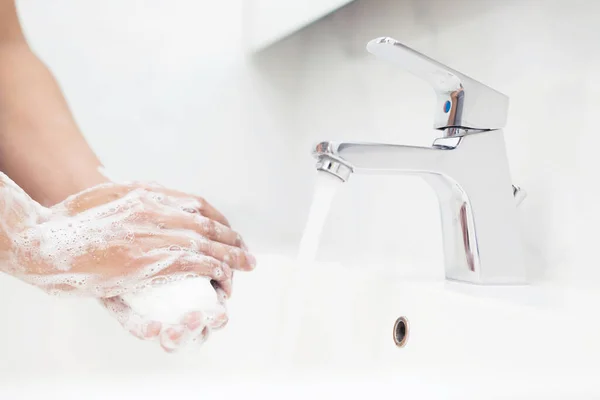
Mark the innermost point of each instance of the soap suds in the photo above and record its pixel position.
(57, 248)
(169, 303)
(124, 228)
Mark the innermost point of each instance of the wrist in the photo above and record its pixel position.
(20, 212)
(18, 245)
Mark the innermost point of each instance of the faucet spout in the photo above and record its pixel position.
(359, 157)
(471, 179)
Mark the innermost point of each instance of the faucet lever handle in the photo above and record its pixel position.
(462, 102)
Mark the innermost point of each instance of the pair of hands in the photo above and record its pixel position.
(119, 238)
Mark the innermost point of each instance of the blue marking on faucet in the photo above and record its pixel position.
(447, 105)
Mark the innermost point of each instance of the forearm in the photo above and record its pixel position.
(41, 147)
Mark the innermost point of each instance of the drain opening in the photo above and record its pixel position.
(401, 331)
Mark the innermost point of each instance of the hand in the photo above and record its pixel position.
(194, 326)
(117, 238)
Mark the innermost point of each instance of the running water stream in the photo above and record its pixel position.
(326, 186)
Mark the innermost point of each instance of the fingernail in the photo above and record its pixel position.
(137, 334)
(219, 321)
(174, 334)
(171, 338)
(251, 260)
(241, 243)
(169, 349)
(152, 330)
(193, 320)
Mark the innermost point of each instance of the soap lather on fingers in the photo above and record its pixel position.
(126, 239)
(163, 313)
(179, 311)
(116, 238)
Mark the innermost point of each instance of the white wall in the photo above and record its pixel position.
(268, 21)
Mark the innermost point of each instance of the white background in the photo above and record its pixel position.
(165, 91)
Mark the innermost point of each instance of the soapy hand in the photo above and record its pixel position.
(117, 238)
(121, 238)
(193, 326)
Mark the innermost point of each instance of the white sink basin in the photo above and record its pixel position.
(464, 341)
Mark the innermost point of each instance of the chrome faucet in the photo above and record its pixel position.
(467, 167)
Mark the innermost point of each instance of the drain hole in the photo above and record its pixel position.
(401, 331)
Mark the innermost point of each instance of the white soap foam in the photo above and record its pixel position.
(170, 302)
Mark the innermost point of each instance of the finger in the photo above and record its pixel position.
(225, 286)
(94, 197)
(144, 223)
(223, 295)
(133, 323)
(206, 227)
(193, 263)
(151, 331)
(235, 257)
(174, 338)
(214, 230)
(188, 263)
(202, 337)
(171, 337)
(211, 212)
(194, 321)
(206, 209)
(189, 203)
(217, 321)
